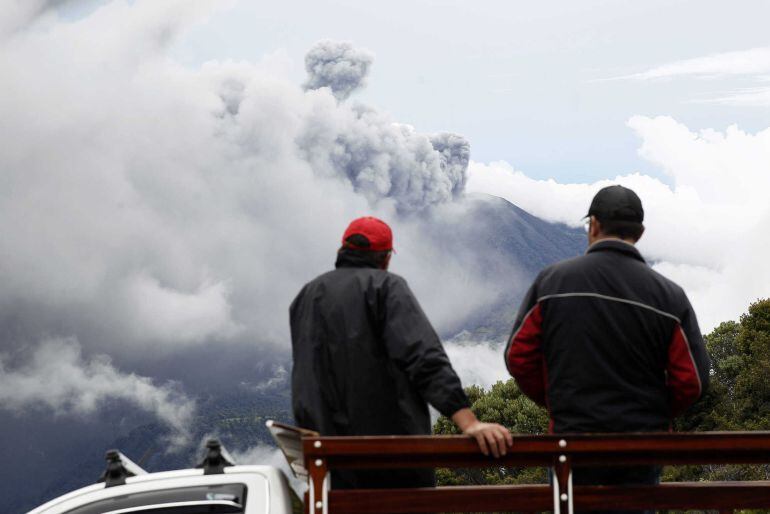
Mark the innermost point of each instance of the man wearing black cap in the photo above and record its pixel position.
(368, 362)
(606, 343)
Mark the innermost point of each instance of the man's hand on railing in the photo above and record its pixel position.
(492, 438)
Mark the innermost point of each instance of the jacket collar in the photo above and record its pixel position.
(347, 258)
(616, 245)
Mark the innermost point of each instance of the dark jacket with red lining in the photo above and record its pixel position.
(608, 344)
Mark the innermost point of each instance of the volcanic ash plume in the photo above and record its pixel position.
(337, 65)
(184, 208)
(383, 159)
(455, 154)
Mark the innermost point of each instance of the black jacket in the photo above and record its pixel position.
(366, 359)
(608, 344)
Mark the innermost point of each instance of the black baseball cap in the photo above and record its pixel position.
(617, 203)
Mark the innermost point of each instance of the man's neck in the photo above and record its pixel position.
(612, 238)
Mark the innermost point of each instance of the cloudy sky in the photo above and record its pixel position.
(162, 161)
(528, 82)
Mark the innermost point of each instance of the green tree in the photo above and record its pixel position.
(739, 395)
(503, 404)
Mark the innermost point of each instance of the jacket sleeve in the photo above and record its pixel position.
(414, 346)
(524, 351)
(688, 364)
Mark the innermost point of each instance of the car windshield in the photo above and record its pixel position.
(210, 499)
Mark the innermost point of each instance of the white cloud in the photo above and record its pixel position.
(59, 378)
(754, 61)
(277, 380)
(753, 64)
(706, 231)
(158, 313)
(477, 362)
(753, 96)
(16, 15)
(147, 207)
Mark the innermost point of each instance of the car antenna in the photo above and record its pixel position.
(119, 467)
(217, 458)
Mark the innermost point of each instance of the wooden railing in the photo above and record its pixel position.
(559, 452)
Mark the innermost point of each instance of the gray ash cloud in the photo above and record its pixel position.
(387, 160)
(163, 217)
(338, 65)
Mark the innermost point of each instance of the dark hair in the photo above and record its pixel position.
(621, 229)
(354, 247)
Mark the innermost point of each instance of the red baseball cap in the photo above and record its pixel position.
(373, 229)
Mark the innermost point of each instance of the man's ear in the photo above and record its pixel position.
(596, 228)
(386, 262)
(641, 233)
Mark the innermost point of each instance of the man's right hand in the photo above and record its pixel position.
(491, 437)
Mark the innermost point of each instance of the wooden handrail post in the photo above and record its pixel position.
(562, 482)
(318, 486)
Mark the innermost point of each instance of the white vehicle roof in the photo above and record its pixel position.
(216, 485)
(267, 490)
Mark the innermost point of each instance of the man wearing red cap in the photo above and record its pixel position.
(368, 362)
